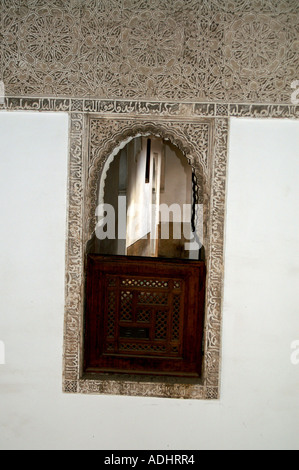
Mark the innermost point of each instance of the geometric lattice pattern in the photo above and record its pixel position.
(176, 317)
(207, 50)
(110, 313)
(126, 306)
(150, 308)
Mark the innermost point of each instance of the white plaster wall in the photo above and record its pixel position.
(259, 406)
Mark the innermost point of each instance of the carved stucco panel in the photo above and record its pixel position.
(74, 255)
(207, 50)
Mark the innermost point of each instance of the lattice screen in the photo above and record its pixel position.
(150, 315)
(144, 316)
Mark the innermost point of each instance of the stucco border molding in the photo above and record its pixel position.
(150, 108)
(92, 139)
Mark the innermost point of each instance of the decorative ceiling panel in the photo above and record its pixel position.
(184, 50)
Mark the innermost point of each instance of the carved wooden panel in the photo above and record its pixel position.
(144, 316)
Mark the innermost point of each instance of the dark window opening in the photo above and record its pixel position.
(145, 273)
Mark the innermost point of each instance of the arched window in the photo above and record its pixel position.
(138, 312)
(148, 203)
(145, 281)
